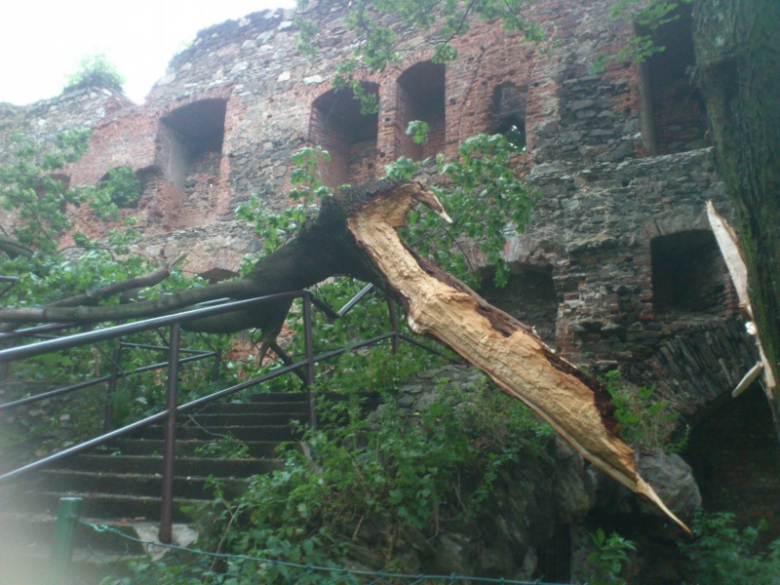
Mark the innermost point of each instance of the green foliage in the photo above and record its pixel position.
(380, 471)
(305, 177)
(480, 192)
(95, 71)
(225, 448)
(441, 23)
(486, 201)
(651, 17)
(31, 189)
(39, 203)
(122, 188)
(609, 558)
(722, 555)
(646, 423)
(418, 130)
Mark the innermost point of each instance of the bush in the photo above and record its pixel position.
(647, 423)
(378, 478)
(722, 555)
(95, 71)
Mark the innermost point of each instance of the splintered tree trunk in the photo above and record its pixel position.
(518, 361)
(355, 234)
(738, 70)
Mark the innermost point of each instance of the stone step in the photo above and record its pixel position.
(150, 464)
(302, 396)
(242, 433)
(296, 408)
(118, 507)
(280, 397)
(257, 449)
(239, 420)
(136, 484)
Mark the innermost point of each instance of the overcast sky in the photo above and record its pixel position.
(41, 41)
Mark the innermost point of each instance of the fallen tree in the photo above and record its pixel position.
(355, 234)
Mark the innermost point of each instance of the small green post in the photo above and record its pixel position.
(67, 517)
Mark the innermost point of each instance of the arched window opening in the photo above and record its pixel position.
(735, 458)
(349, 136)
(191, 145)
(509, 103)
(673, 115)
(529, 296)
(421, 97)
(689, 275)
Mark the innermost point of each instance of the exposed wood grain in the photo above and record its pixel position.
(518, 361)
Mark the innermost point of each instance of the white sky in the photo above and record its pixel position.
(41, 41)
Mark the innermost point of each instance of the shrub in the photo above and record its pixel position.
(722, 555)
(95, 71)
(647, 423)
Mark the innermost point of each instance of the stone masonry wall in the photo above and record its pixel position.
(583, 272)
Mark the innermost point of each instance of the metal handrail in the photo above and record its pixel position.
(173, 363)
(79, 339)
(96, 381)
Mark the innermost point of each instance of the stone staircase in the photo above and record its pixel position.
(120, 484)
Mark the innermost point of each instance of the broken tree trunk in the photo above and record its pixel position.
(731, 249)
(355, 235)
(519, 362)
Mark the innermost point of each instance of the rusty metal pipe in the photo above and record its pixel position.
(166, 520)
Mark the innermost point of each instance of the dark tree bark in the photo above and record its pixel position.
(354, 234)
(738, 70)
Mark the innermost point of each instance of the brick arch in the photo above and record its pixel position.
(421, 94)
(474, 111)
(351, 137)
(224, 92)
(314, 92)
(735, 457)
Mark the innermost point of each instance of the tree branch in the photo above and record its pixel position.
(134, 282)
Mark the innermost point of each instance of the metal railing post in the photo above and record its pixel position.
(67, 517)
(394, 324)
(166, 520)
(108, 421)
(309, 358)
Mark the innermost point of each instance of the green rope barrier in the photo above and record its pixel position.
(308, 571)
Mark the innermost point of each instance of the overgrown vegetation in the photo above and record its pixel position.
(41, 208)
(721, 554)
(647, 423)
(609, 559)
(95, 71)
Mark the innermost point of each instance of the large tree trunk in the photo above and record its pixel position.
(355, 234)
(738, 69)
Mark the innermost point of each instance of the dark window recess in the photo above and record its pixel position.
(508, 113)
(349, 136)
(689, 275)
(529, 296)
(735, 458)
(421, 97)
(191, 144)
(677, 120)
(553, 563)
